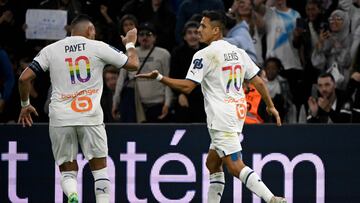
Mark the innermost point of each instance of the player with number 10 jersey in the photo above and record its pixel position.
(76, 66)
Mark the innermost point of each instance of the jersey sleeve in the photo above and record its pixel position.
(197, 68)
(41, 61)
(111, 55)
(251, 68)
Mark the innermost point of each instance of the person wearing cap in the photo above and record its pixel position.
(155, 97)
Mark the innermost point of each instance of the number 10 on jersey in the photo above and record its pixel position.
(77, 69)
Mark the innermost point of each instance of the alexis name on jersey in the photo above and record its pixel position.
(231, 56)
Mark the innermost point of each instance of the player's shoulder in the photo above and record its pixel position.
(53, 46)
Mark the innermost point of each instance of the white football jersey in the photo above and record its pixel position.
(221, 69)
(76, 72)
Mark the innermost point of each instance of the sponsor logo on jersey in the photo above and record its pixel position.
(198, 63)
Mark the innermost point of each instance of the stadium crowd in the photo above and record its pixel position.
(308, 51)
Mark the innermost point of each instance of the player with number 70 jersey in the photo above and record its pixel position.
(225, 102)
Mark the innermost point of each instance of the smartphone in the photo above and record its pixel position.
(314, 92)
(324, 26)
(300, 23)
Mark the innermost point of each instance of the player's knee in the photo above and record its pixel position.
(97, 163)
(213, 167)
(69, 166)
(233, 170)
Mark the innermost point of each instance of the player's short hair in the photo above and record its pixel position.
(190, 24)
(79, 19)
(216, 16)
(325, 75)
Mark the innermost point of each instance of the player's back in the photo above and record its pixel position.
(76, 66)
(223, 67)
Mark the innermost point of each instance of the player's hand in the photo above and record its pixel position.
(152, 75)
(273, 112)
(131, 36)
(164, 112)
(25, 115)
(183, 101)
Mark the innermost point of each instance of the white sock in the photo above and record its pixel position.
(216, 188)
(102, 185)
(69, 182)
(253, 182)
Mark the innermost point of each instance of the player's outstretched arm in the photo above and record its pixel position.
(129, 41)
(24, 89)
(185, 86)
(270, 108)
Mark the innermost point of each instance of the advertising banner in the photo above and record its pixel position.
(166, 163)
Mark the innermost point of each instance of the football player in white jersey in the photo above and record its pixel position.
(221, 68)
(76, 71)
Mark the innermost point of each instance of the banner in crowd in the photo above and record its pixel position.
(166, 163)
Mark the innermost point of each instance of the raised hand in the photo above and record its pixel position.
(131, 36)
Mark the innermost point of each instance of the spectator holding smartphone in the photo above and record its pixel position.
(332, 51)
(306, 36)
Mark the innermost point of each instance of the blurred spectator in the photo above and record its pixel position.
(190, 7)
(154, 96)
(279, 90)
(188, 108)
(38, 95)
(306, 36)
(332, 52)
(7, 81)
(353, 9)
(73, 7)
(160, 14)
(11, 38)
(330, 105)
(111, 74)
(353, 89)
(38, 91)
(256, 107)
(133, 7)
(280, 22)
(239, 35)
(123, 106)
(127, 22)
(109, 29)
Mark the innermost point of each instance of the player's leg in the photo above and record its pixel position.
(101, 179)
(250, 179)
(69, 171)
(217, 179)
(93, 142)
(65, 148)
